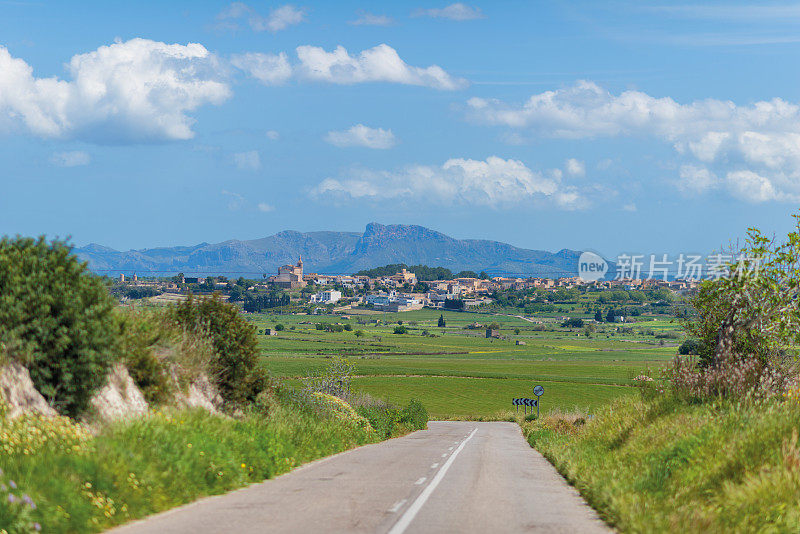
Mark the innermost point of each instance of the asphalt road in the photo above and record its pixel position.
(453, 477)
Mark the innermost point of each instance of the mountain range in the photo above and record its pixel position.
(334, 253)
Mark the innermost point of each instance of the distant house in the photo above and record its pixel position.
(492, 332)
(521, 342)
(270, 332)
(326, 297)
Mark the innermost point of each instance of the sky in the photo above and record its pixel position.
(612, 126)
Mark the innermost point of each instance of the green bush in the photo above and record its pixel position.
(236, 368)
(56, 318)
(400, 330)
(160, 353)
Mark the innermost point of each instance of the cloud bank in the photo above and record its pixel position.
(756, 147)
(493, 182)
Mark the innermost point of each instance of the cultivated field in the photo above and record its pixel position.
(456, 371)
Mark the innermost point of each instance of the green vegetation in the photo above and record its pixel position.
(57, 319)
(84, 483)
(457, 373)
(59, 475)
(648, 466)
(423, 272)
(713, 445)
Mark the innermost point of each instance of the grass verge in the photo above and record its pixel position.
(663, 465)
(59, 478)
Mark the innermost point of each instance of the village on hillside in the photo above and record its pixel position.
(398, 292)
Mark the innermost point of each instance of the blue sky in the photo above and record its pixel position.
(614, 126)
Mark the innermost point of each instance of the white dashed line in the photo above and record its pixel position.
(434, 466)
(396, 506)
(412, 511)
(420, 481)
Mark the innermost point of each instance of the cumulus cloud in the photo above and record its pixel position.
(457, 11)
(269, 69)
(492, 182)
(368, 19)
(265, 208)
(379, 64)
(756, 147)
(75, 158)
(360, 135)
(138, 90)
(575, 168)
(695, 179)
(278, 19)
(247, 161)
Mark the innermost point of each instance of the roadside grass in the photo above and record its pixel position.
(80, 483)
(663, 465)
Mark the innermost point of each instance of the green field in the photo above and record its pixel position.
(457, 372)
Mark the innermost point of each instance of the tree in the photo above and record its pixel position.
(598, 315)
(441, 323)
(484, 276)
(610, 315)
(400, 330)
(236, 368)
(358, 333)
(517, 331)
(279, 327)
(57, 319)
(752, 310)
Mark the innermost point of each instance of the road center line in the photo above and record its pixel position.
(434, 466)
(420, 481)
(416, 506)
(397, 506)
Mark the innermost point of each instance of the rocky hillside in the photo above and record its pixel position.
(335, 252)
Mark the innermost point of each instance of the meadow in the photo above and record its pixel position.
(456, 371)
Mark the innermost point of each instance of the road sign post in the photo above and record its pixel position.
(538, 391)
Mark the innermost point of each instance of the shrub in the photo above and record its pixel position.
(238, 374)
(157, 351)
(689, 347)
(57, 318)
(279, 327)
(400, 330)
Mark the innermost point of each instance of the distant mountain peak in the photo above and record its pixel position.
(336, 252)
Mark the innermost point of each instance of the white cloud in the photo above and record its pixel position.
(273, 135)
(368, 19)
(247, 161)
(269, 69)
(75, 158)
(378, 64)
(491, 182)
(264, 207)
(630, 207)
(696, 179)
(235, 200)
(575, 168)
(753, 187)
(457, 11)
(278, 19)
(360, 135)
(137, 90)
(761, 139)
